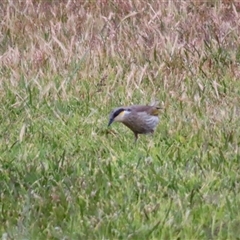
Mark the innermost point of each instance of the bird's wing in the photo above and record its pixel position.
(150, 110)
(151, 120)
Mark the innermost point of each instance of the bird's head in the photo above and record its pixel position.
(118, 115)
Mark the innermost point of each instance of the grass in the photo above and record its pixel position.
(64, 66)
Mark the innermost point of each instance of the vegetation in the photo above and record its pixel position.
(65, 65)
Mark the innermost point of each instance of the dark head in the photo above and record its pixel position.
(117, 115)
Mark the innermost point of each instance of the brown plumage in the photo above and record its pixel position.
(139, 118)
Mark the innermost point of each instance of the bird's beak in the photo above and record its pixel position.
(110, 122)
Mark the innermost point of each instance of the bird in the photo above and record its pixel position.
(141, 119)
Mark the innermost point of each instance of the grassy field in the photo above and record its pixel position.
(64, 65)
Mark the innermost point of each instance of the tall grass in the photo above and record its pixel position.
(65, 65)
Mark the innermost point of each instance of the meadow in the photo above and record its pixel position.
(64, 65)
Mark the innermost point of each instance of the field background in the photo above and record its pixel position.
(64, 65)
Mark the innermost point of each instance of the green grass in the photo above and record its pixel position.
(64, 175)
